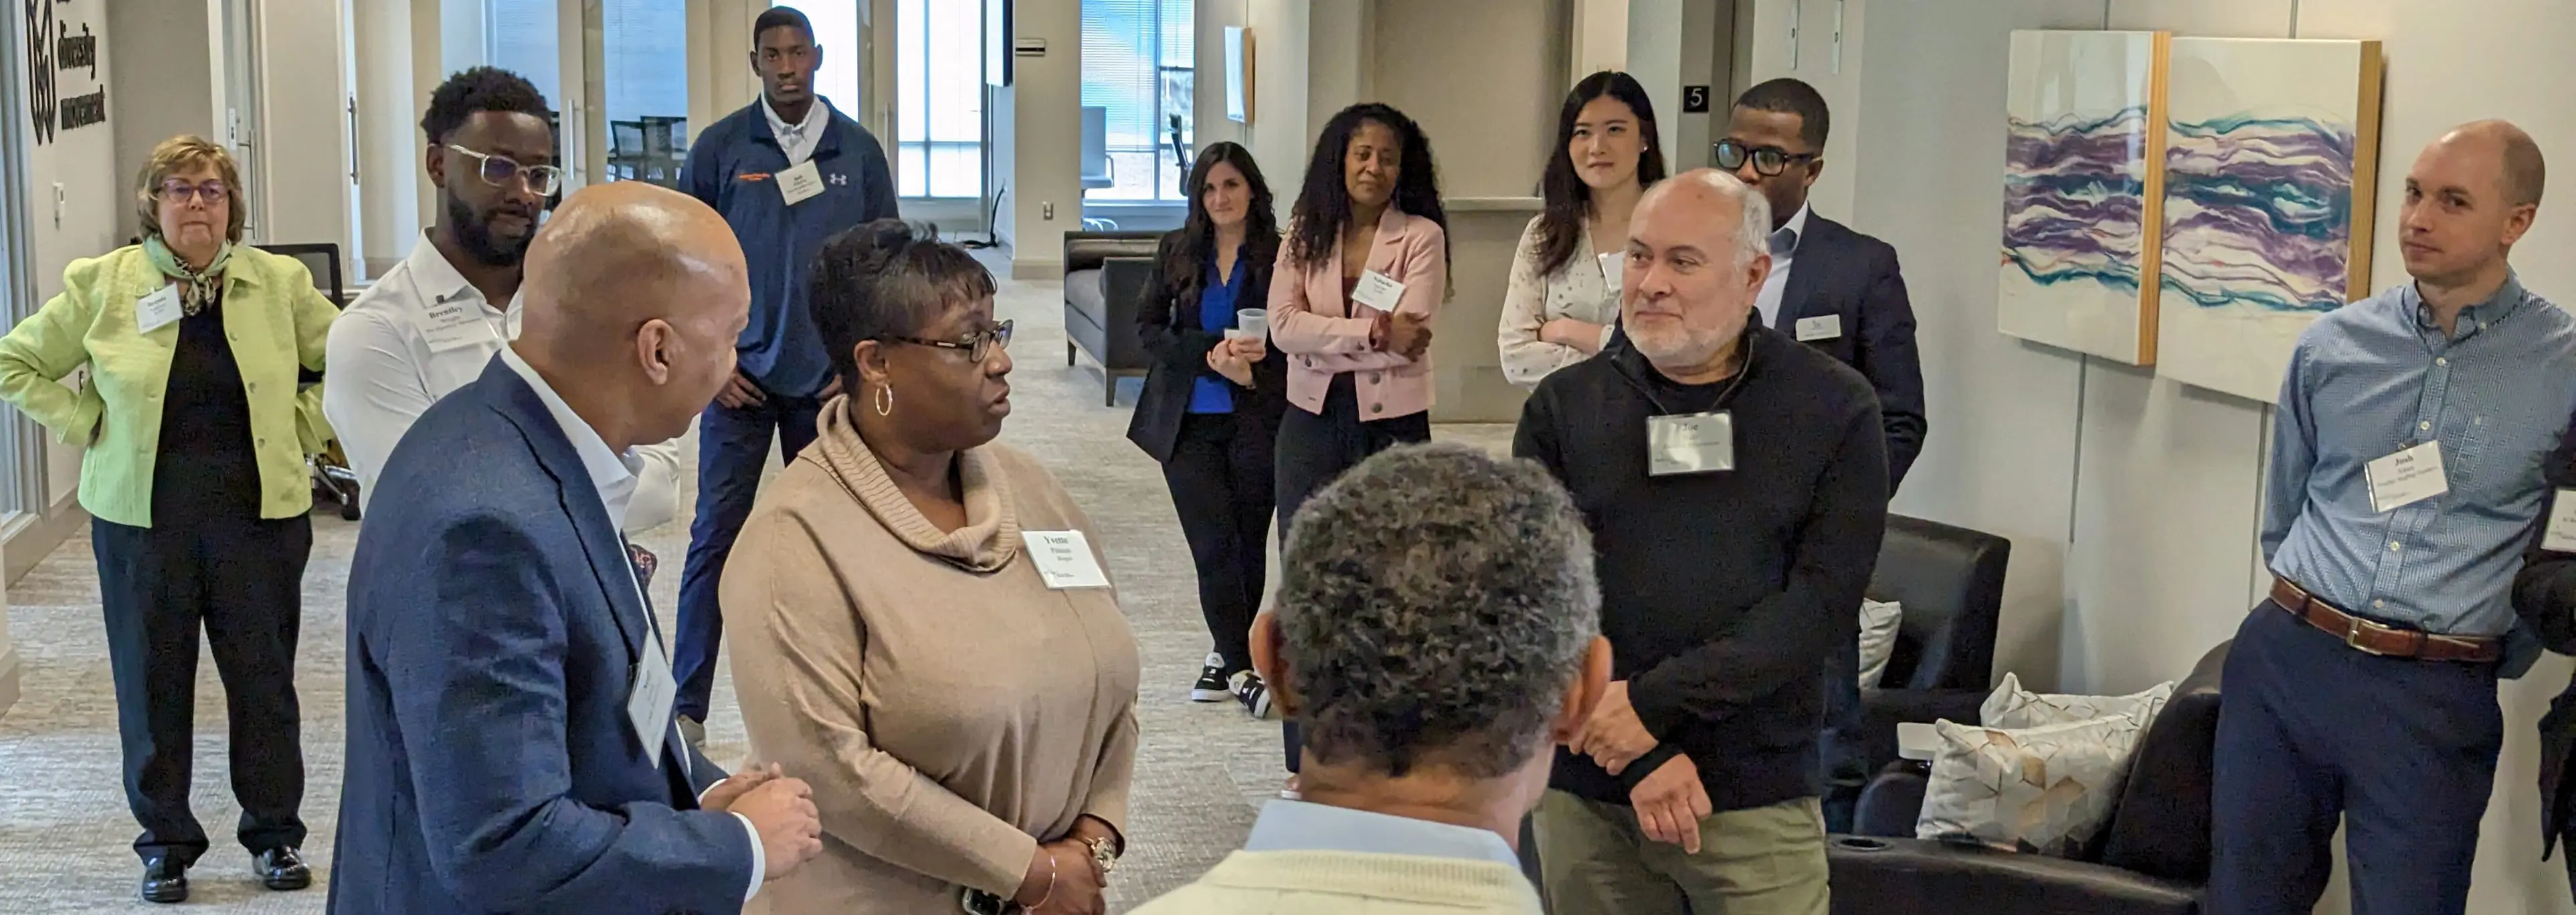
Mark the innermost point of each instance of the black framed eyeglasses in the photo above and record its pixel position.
(503, 171)
(1767, 160)
(178, 191)
(977, 346)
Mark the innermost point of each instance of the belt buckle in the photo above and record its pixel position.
(2352, 636)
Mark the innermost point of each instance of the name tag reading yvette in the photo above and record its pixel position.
(1695, 443)
(1064, 559)
(2407, 477)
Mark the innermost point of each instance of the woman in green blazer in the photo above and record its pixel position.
(194, 476)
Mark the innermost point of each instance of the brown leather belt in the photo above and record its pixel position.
(2379, 639)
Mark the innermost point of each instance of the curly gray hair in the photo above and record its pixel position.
(1434, 605)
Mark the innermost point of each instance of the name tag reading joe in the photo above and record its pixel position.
(1694, 443)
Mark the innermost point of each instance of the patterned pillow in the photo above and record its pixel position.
(2011, 706)
(1878, 624)
(2042, 790)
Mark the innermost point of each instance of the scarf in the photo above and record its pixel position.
(202, 285)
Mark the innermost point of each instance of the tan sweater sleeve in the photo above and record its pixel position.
(797, 645)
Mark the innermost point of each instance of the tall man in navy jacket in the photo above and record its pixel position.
(510, 746)
(787, 172)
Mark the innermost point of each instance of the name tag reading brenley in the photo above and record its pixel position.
(1690, 443)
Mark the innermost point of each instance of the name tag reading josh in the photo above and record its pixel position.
(1065, 560)
(648, 705)
(1820, 327)
(801, 183)
(152, 312)
(1696, 443)
(2407, 477)
(1378, 291)
(2561, 535)
(451, 324)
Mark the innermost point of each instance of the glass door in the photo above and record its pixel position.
(640, 88)
(939, 99)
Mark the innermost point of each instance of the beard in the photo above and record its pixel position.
(1676, 344)
(474, 233)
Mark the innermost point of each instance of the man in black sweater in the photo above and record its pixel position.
(1736, 486)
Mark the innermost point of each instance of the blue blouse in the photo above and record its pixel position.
(1216, 316)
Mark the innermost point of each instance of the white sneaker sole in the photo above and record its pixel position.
(1209, 695)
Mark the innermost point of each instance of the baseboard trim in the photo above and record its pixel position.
(11, 670)
(29, 544)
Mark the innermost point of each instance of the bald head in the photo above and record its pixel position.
(635, 296)
(1717, 202)
(2523, 173)
(619, 254)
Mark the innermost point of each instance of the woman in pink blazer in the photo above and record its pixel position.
(1359, 280)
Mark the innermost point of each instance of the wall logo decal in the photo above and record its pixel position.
(52, 49)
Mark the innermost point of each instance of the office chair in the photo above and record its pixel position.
(331, 471)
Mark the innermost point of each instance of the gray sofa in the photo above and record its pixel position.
(1106, 278)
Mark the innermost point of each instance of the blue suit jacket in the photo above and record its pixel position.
(494, 634)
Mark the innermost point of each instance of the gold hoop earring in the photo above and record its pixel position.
(885, 399)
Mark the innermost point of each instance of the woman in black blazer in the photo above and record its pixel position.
(1212, 405)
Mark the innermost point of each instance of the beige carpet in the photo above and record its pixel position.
(1200, 775)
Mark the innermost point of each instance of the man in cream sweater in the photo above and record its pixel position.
(1437, 633)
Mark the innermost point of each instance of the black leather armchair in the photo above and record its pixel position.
(2151, 859)
(1951, 581)
(1105, 278)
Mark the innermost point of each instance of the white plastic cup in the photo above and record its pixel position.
(1250, 324)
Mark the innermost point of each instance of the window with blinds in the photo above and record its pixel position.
(1137, 63)
(939, 88)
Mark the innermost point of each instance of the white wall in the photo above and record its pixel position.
(389, 143)
(1278, 135)
(83, 164)
(2132, 501)
(1046, 131)
(304, 97)
(165, 90)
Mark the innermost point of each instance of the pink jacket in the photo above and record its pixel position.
(1322, 335)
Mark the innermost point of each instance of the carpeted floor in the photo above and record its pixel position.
(1201, 773)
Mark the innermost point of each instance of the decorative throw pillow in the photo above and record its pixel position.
(2011, 706)
(1878, 625)
(2042, 790)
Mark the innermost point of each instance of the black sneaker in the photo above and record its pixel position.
(1211, 686)
(1254, 694)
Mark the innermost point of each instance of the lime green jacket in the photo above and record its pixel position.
(277, 322)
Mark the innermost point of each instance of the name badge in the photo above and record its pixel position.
(648, 705)
(155, 311)
(1065, 560)
(1614, 269)
(2407, 477)
(1697, 443)
(454, 323)
(1820, 327)
(1378, 291)
(801, 183)
(2561, 534)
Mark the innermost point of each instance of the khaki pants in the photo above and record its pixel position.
(1764, 861)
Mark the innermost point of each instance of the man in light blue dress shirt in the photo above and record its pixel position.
(2405, 476)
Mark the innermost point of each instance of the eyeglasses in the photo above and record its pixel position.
(1767, 160)
(213, 191)
(977, 346)
(502, 171)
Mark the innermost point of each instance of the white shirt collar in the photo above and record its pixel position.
(437, 279)
(1300, 826)
(1784, 241)
(613, 474)
(798, 140)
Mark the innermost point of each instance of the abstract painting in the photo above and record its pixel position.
(2272, 145)
(2084, 192)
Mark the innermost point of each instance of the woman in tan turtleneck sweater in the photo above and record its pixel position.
(919, 627)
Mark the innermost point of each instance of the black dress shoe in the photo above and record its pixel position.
(282, 868)
(164, 880)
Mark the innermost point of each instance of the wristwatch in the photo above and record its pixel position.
(1104, 853)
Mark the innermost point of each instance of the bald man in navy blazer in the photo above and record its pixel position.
(510, 744)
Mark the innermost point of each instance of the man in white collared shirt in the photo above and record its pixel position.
(430, 325)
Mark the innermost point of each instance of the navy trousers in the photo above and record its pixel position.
(2401, 751)
(733, 450)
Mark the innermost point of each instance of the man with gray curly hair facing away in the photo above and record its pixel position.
(1437, 634)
